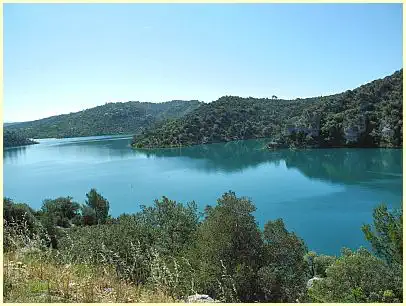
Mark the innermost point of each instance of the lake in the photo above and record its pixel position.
(323, 195)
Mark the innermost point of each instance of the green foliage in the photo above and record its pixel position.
(109, 119)
(88, 216)
(284, 274)
(125, 245)
(173, 225)
(55, 214)
(51, 233)
(168, 248)
(228, 118)
(18, 218)
(62, 210)
(14, 139)
(318, 264)
(321, 264)
(358, 277)
(99, 204)
(386, 237)
(144, 246)
(229, 243)
(309, 259)
(368, 116)
(18, 213)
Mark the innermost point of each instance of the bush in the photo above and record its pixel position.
(229, 243)
(321, 264)
(88, 216)
(386, 236)
(99, 204)
(167, 248)
(358, 277)
(173, 225)
(132, 242)
(284, 274)
(19, 223)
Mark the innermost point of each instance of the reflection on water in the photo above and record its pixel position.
(14, 154)
(80, 148)
(346, 166)
(324, 195)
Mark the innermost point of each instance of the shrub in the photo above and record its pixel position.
(62, 209)
(100, 205)
(19, 224)
(284, 274)
(229, 243)
(358, 277)
(386, 236)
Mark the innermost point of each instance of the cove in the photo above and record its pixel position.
(324, 195)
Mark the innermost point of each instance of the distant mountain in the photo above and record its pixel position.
(14, 139)
(368, 116)
(111, 118)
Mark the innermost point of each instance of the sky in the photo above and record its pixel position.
(61, 58)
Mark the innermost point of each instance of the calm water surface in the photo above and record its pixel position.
(323, 195)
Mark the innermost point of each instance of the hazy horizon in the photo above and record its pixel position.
(63, 58)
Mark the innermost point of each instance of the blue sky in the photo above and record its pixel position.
(60, 58)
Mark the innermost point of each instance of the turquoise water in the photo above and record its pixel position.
(323, 195)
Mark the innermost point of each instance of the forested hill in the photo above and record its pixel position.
(111, 118)
(10, 123)
(14, 139)
(368, 116)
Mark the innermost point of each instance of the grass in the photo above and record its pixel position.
(33, 277)
(81, 273)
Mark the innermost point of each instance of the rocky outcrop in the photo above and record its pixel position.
(353, 128)
(387, 132)
(199, 298)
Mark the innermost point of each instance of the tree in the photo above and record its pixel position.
(358, 277)
(108, 119)
(318, 264)
(341, 120)
(19, 223)
(284, 275)
(62, 210)
(88, 215)
(386, 236)
(51, 234)
(229, 249)
(174, 225)
(100, 205)
(321, 264)
(18, 214)
(13, 139)
(309, 258)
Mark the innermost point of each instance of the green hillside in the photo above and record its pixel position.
(14, 139)
(368, 116)
(109, 119)
(10, 123)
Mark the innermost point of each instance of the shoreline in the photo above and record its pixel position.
(266, 147)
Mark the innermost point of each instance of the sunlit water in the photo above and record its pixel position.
(323, 195)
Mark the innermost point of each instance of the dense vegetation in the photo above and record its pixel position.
(368, 116)
(171, 250)
(9, 123)
(109, 119)
(14, 139)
